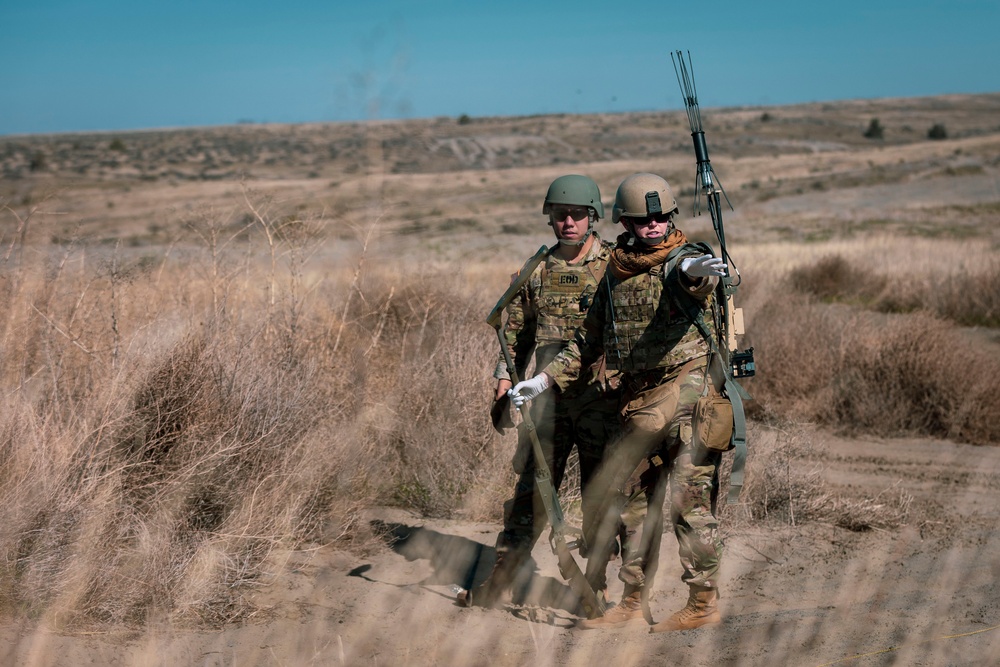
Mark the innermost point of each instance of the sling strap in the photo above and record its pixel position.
(734, 391)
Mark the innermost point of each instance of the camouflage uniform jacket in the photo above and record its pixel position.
(638, 325)
(549, 310)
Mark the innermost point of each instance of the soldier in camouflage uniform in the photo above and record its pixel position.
(641, 322)
(545, 316)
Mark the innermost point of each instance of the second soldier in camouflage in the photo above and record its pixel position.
(541, 320)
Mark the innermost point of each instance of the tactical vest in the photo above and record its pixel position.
(563, 293)
(645, 329)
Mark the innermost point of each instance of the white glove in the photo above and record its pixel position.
(526, 390)
(703, 266)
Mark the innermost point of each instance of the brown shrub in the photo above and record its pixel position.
(966, 297)
(424, 390)
(797, 347)
(862, 372)
(914, 374)
(833, 278)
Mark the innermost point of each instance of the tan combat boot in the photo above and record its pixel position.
(629, 609)
(702, 608)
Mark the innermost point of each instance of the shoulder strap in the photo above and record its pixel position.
(598, 257)
(543, 268)
(734, 391)
(598, 273)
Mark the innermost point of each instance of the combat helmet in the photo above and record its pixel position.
(574, 190)
(641, 195)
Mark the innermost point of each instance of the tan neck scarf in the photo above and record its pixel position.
(627, 261)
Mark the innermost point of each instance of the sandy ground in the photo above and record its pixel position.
(926, 594)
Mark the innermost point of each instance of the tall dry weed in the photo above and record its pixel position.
(169, 426)
(834, 278)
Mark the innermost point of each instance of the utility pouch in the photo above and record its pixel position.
(712, 423)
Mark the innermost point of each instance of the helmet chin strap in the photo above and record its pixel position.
(577, 243)
(590, 230)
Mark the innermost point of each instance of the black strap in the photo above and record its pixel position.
(734, 391)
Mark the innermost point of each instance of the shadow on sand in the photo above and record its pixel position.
(461, 562)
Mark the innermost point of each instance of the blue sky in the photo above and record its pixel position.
(70, 66)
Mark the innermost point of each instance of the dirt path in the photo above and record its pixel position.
(809, 595)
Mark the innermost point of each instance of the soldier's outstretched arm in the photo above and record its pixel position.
(703, 266)
(699, 274)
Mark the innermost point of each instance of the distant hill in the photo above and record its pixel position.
(331, 150)
(794, 170)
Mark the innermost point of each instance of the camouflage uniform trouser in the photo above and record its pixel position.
(589, 421)
(655, 448)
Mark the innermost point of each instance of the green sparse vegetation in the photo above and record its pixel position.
(964, 170)
(937, 131)
(874, 130)
(38, 162)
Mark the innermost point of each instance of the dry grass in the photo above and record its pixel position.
(158, 444)
(887, 375)
(968, 296)
(197, 378)
(785, 485)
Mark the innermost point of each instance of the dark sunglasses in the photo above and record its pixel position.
(649, 219)
(575, 212)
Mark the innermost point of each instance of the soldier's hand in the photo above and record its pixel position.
(528, 389)
(500, 415)
(703, 266)
(503, 386)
